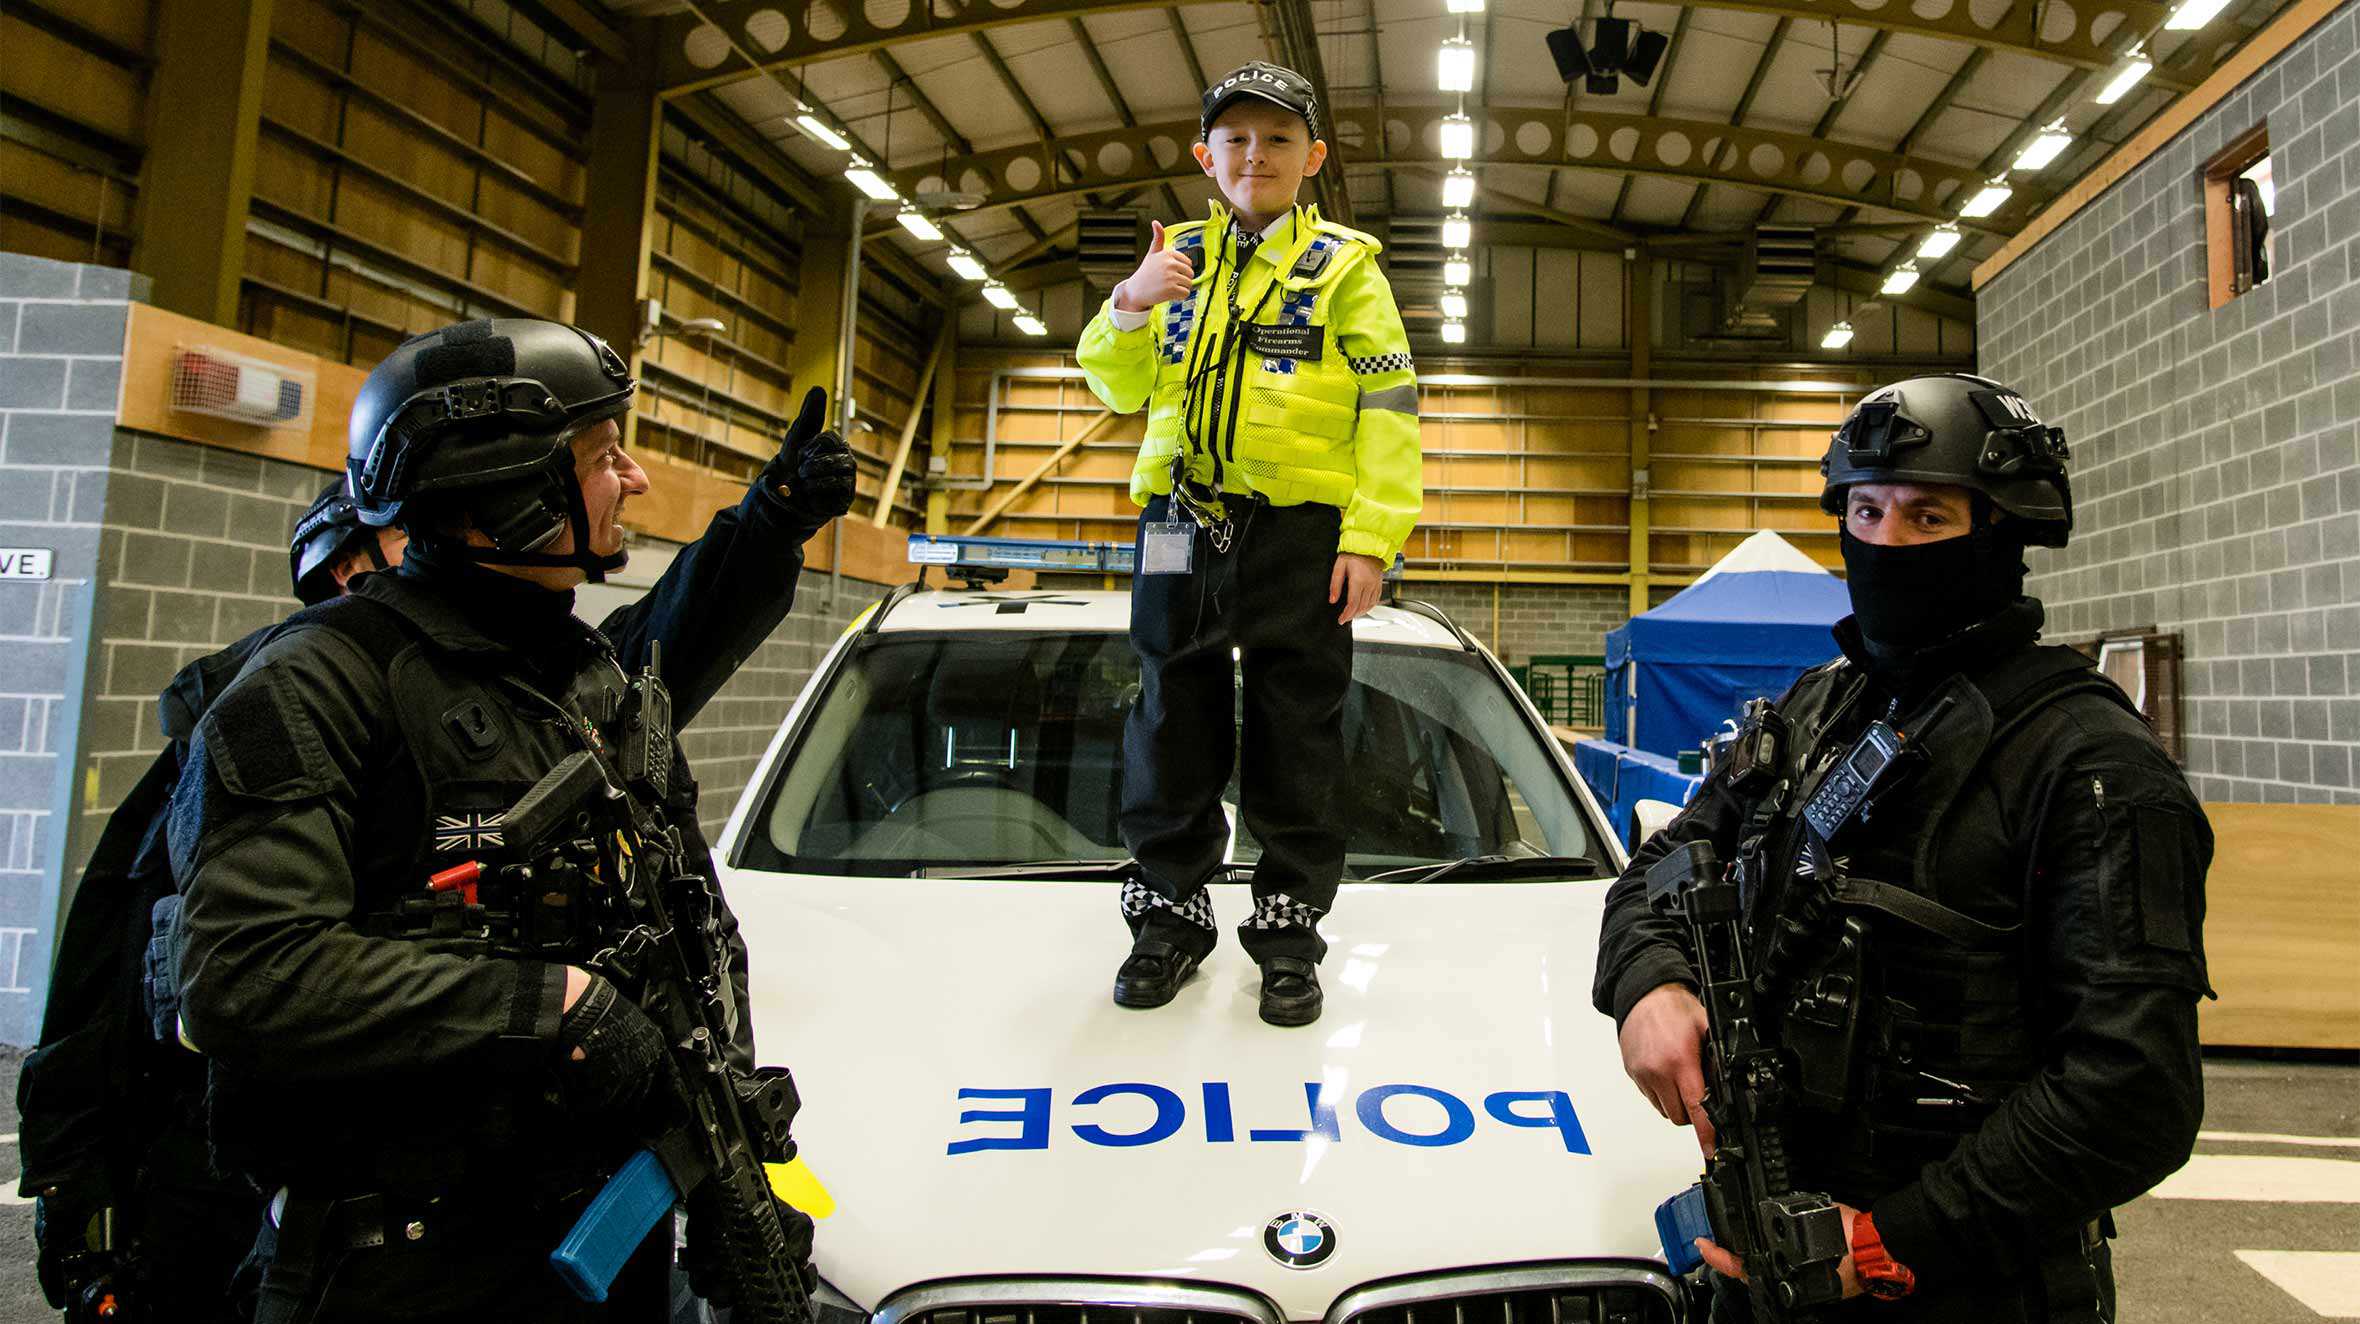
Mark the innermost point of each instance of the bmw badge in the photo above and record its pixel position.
(1299, 1239)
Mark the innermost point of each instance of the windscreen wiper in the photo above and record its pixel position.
(1474, 867)
(1056, 869)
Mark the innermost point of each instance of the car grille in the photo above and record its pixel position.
(1075, 1301)
(1525, 1294)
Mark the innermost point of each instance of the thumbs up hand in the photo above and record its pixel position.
(1163, 275)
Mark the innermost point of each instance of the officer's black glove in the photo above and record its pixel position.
(704, 1255)
(609, 1054)
(813, 472)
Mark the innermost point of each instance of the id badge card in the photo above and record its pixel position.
(1168, 548)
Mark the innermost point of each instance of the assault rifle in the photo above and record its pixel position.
(725, 1122)
(1791, 1242)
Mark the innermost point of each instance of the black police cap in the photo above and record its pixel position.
(1276, 84)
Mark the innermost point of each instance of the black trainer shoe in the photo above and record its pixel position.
(1152, 974)
(1290, 991)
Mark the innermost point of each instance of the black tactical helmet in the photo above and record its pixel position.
(327, 533)
(1965, 431)
(477, 419)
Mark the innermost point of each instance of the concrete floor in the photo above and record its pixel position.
(2177, 1260)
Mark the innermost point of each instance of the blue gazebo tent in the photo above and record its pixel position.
(1748, 627)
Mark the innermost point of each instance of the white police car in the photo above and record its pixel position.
(926, 868)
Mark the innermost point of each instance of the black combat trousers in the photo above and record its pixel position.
(456, 1259)
(1267, 598)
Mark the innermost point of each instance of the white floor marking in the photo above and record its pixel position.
(2327, 1281)
(11, 1198)
(2271, 1138)
(2265, 1178)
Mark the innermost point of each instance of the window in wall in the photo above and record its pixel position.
(2146, 664)
(2238, 204)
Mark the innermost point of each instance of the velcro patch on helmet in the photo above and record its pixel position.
(2004, 409)
(467, 350)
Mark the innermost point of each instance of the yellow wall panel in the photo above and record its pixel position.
(293, 97)
(311, 27)
(71, 82)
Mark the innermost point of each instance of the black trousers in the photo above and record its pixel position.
(1267, 598)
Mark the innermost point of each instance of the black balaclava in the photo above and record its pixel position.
(1909, 598)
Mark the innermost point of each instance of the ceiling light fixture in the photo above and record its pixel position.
(1457, 232)
(1901, 278)
(1463, 6)
(2051, 144)
(1989, 200)
(817, 130)
(2194, 14)
(1031, 325)
(2138, 67)
(1939, 243)
(1458, 136)
(1458, 188)
(1454, 304)
(1457, 271)
(1837, 336)
(916, 223)
(870, 182)
(1454, 333)
(997, 296)
(1454, 67)
(964, 263)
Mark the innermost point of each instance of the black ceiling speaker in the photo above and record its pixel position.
(1610, 45)
(1565, 47)
(1602, 85)
(1646, 54)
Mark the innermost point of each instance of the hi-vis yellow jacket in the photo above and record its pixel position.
(1318, 401)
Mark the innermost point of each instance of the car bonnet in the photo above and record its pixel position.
(977, 1106)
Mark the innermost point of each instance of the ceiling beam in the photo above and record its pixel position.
(1579, 140)
(1114, 94)
(1298, 45)
(694, 54)
(1745, 103)
(1835, 105)
(1663, 79)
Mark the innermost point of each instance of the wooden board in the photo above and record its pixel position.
(2282, 927)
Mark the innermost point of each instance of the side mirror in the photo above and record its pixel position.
(1650, 817)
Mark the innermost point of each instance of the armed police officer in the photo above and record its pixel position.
(130, 1218)
(429, 1107)
(1972, 896)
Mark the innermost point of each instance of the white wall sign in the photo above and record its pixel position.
(25, 562)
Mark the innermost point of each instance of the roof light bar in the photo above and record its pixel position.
(1114, 558)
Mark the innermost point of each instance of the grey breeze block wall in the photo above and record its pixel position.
(61, 362)
(2216, 451)
(166, 551)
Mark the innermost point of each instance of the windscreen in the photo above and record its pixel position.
(938, 751)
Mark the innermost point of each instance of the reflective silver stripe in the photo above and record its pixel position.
(1399, 399)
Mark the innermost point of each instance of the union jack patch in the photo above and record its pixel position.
(470, 829)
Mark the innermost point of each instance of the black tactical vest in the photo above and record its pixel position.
(1946, 1025)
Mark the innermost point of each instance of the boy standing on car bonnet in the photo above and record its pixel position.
(1280, 475)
